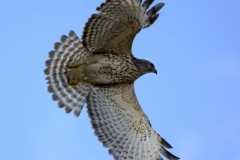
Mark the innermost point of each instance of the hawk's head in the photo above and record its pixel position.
(144, 66)
(150, 67)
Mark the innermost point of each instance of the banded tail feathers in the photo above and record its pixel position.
(66, 91)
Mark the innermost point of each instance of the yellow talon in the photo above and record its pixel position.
(75, 73)
(73, 83)
(71, 66)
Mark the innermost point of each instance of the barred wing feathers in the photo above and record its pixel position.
(69, 51)
(113, 29)
(121, 125)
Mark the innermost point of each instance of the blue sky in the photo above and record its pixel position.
(193, 102)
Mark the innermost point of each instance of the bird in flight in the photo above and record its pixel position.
(100, 70)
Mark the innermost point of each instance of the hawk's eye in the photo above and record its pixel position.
(151, 65)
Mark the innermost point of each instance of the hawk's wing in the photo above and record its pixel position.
(113, 29)
(121, 125)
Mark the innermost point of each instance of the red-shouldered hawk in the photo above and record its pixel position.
(100, 71)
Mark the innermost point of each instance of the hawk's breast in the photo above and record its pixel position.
(111, 69)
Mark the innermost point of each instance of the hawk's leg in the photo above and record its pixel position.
(74, 66)
(73, 82)
(76, 74)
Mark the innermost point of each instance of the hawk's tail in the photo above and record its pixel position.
(68, 52)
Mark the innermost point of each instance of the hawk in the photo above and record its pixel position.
(100, 70)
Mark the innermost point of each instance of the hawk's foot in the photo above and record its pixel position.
(73, 82)
(74, 66)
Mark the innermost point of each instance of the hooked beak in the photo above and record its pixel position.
(155, 71)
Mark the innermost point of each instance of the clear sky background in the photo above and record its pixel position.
(193, 102)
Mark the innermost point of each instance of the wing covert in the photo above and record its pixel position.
(121, 125)
(113, 29)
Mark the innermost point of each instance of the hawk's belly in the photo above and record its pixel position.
(109, 73)
(105, 69)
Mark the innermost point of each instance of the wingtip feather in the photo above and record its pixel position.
(167, 154)
(146, 4)
(154, 18)
(165, 143)
(155, 9)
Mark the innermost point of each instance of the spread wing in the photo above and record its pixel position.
(113, 29)
(121, 125)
